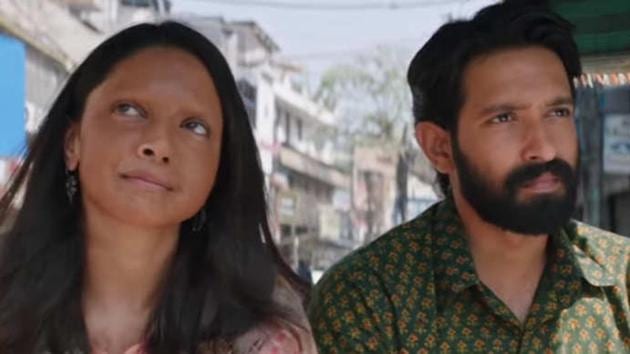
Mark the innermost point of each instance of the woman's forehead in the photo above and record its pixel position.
(159, 61)
(167, 72)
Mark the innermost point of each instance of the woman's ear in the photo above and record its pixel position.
(435, 141)
(72, 146)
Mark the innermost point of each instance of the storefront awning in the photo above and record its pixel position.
(602, 26)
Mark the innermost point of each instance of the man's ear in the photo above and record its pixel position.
(72, 146)
(435, 141)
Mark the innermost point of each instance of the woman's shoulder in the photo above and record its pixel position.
(290, 334)
(273, 338)
(280, 336)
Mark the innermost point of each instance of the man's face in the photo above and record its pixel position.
(516, 151)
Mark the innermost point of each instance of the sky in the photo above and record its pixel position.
(319, 37)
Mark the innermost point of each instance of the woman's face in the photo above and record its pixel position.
(148, 144)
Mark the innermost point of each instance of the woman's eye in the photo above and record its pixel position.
(128, 109)
(197, 127)
(502, 118)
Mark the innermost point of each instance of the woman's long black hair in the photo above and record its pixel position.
(221, 279)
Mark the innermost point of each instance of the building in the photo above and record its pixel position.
(41, 42)
(108, 16)
(603, 114)
(38, 40)
(312, 194)
(309, 195)
(374, 190)
(376, 183)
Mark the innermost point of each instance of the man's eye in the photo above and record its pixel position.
(197, 127)
(502, 118)
(562, 112)
(128, 109)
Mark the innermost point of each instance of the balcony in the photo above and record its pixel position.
(82, 5)
(306, 165)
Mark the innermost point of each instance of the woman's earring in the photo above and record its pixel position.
(199, 220)
(72, 185)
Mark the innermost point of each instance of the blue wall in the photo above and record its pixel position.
(12, 96)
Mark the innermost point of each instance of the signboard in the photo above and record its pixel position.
(12, 96)
(617, 144)
(329, 223)
(287, 206)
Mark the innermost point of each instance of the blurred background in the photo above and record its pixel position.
(324, 85)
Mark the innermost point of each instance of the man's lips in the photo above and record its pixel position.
(546, 182)
(147, 180)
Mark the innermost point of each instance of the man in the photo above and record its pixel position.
(498, 266)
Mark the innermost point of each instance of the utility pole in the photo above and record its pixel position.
(590, 123)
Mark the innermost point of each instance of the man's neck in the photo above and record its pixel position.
(510, 264)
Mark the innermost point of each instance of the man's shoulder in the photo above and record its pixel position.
(406, 244)
(599, 238)
(608, 249)
(377, 275)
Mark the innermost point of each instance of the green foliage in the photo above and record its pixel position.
(370, 95)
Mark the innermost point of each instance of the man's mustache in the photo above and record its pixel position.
(527, 173)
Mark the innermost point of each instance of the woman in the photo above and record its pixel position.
(142, 227)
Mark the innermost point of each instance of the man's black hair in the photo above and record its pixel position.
(436, 72)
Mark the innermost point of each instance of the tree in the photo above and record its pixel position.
(373, 101)
(370, 94)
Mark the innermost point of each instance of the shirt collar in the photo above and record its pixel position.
(453, 264)
(454, 269)
(586, 248)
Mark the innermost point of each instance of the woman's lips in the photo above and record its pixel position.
(147, 180)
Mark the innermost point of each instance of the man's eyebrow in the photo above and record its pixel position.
(560, 101)
(501, 107)
(509, 107)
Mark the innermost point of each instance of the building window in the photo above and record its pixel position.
(287, 128)
(137, 3)
(299, 129)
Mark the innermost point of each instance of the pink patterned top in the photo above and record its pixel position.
(274, 337)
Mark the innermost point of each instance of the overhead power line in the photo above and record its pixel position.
(334, 6)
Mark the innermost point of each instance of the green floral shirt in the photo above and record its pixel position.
(415, 290)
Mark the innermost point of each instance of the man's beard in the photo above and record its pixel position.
(543, 214)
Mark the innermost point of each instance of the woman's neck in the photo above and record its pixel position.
(125, 266)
